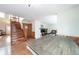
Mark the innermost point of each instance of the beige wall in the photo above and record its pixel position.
(68, 22)
(5, 25)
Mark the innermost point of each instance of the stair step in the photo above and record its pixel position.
(17, 32)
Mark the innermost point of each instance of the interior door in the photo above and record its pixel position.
(28, 30)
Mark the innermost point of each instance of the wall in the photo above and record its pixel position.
(48, 26)
(2, 15)
(33, 26)
(4, 22)
(68, 22)
(5, 25)
(49, 22)
(33, 23)
(51, 27)
(2, 27)
(50, 19)
(20, 20)
(37, 29)
(8, 29)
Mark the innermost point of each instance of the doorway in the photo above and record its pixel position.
(27, 30)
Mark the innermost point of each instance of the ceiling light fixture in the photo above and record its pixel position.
(28, 3)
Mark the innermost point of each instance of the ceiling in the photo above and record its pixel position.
(35, 11)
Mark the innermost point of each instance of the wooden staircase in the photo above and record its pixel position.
(16, 32)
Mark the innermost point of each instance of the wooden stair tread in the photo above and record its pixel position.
(17, 32)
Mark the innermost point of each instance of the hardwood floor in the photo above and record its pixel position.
(19, 48)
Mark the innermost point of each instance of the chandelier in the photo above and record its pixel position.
(28, 3)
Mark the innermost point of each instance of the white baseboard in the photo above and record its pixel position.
(31, 50)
